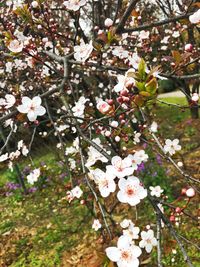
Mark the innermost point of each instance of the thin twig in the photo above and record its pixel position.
(157, 23)
(158, 237)
(93, 192)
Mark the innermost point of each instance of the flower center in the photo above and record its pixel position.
(148, 241)
(130, 191)
(32, 108)
(125, 255)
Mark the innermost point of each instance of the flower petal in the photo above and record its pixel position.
(123, 242)
(113, 253)
(40, 111)
(37, 101)
(32, 116)
(23, 109)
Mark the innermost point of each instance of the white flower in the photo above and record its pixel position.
(195, 97)
(137, 138)
(70, 150)
(74, 4)
(25, 150)
(23, 147)
(17, 3)
(77, 192)
(195, 18)
(78, 109)
(9, 67)
(134, 61)
(114, 124)
(156, 191)
(172, 146)
(96, 225)
(148, 240)
(83, 51)
(120, 52)
(144, 35)
(176, 34)
(124, 81)
(94, 155)
(131, 191)
(14, 155)
(105, 181)
(154, 127)
(15, 46)
(34, 4)
(125, 223)
(165, 40)
(120, 167)
(132, 232)
(20, 144)
(108, 22)
(10, 100)
(33, 176)
(32, 107)
(125, 254)
(3, 157)
(190, 192)
(139, 157)
(72, 163)
(69, 196)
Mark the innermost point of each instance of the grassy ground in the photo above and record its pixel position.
(42, 229)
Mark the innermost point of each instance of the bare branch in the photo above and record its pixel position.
(120, 26)
(156, 24)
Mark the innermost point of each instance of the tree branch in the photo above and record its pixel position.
(120, 26)
(157, 23)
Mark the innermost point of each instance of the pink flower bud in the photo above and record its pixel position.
(110, 102)
(124, 93)
(183, 191)
(103, 107)
(36, 122)
(188, 47)
(172, 218)
(178, 210)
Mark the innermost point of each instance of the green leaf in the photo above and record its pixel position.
(151, 86)
(142, 69)
(140, 86)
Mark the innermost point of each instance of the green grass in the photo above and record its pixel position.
(175, 100)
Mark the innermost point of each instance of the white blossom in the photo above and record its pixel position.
(77, 192)
(74, 4)
(131, 191)
(96, 225)
(156, 191)
(172, 146)
(83, 51)
(33, 176)
(120, 167)
(125, 254)
(32, 107)
(195, 18)
(148, 240)
(105, 181)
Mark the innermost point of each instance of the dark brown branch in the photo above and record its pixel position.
(120, 26)
(157, 23)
